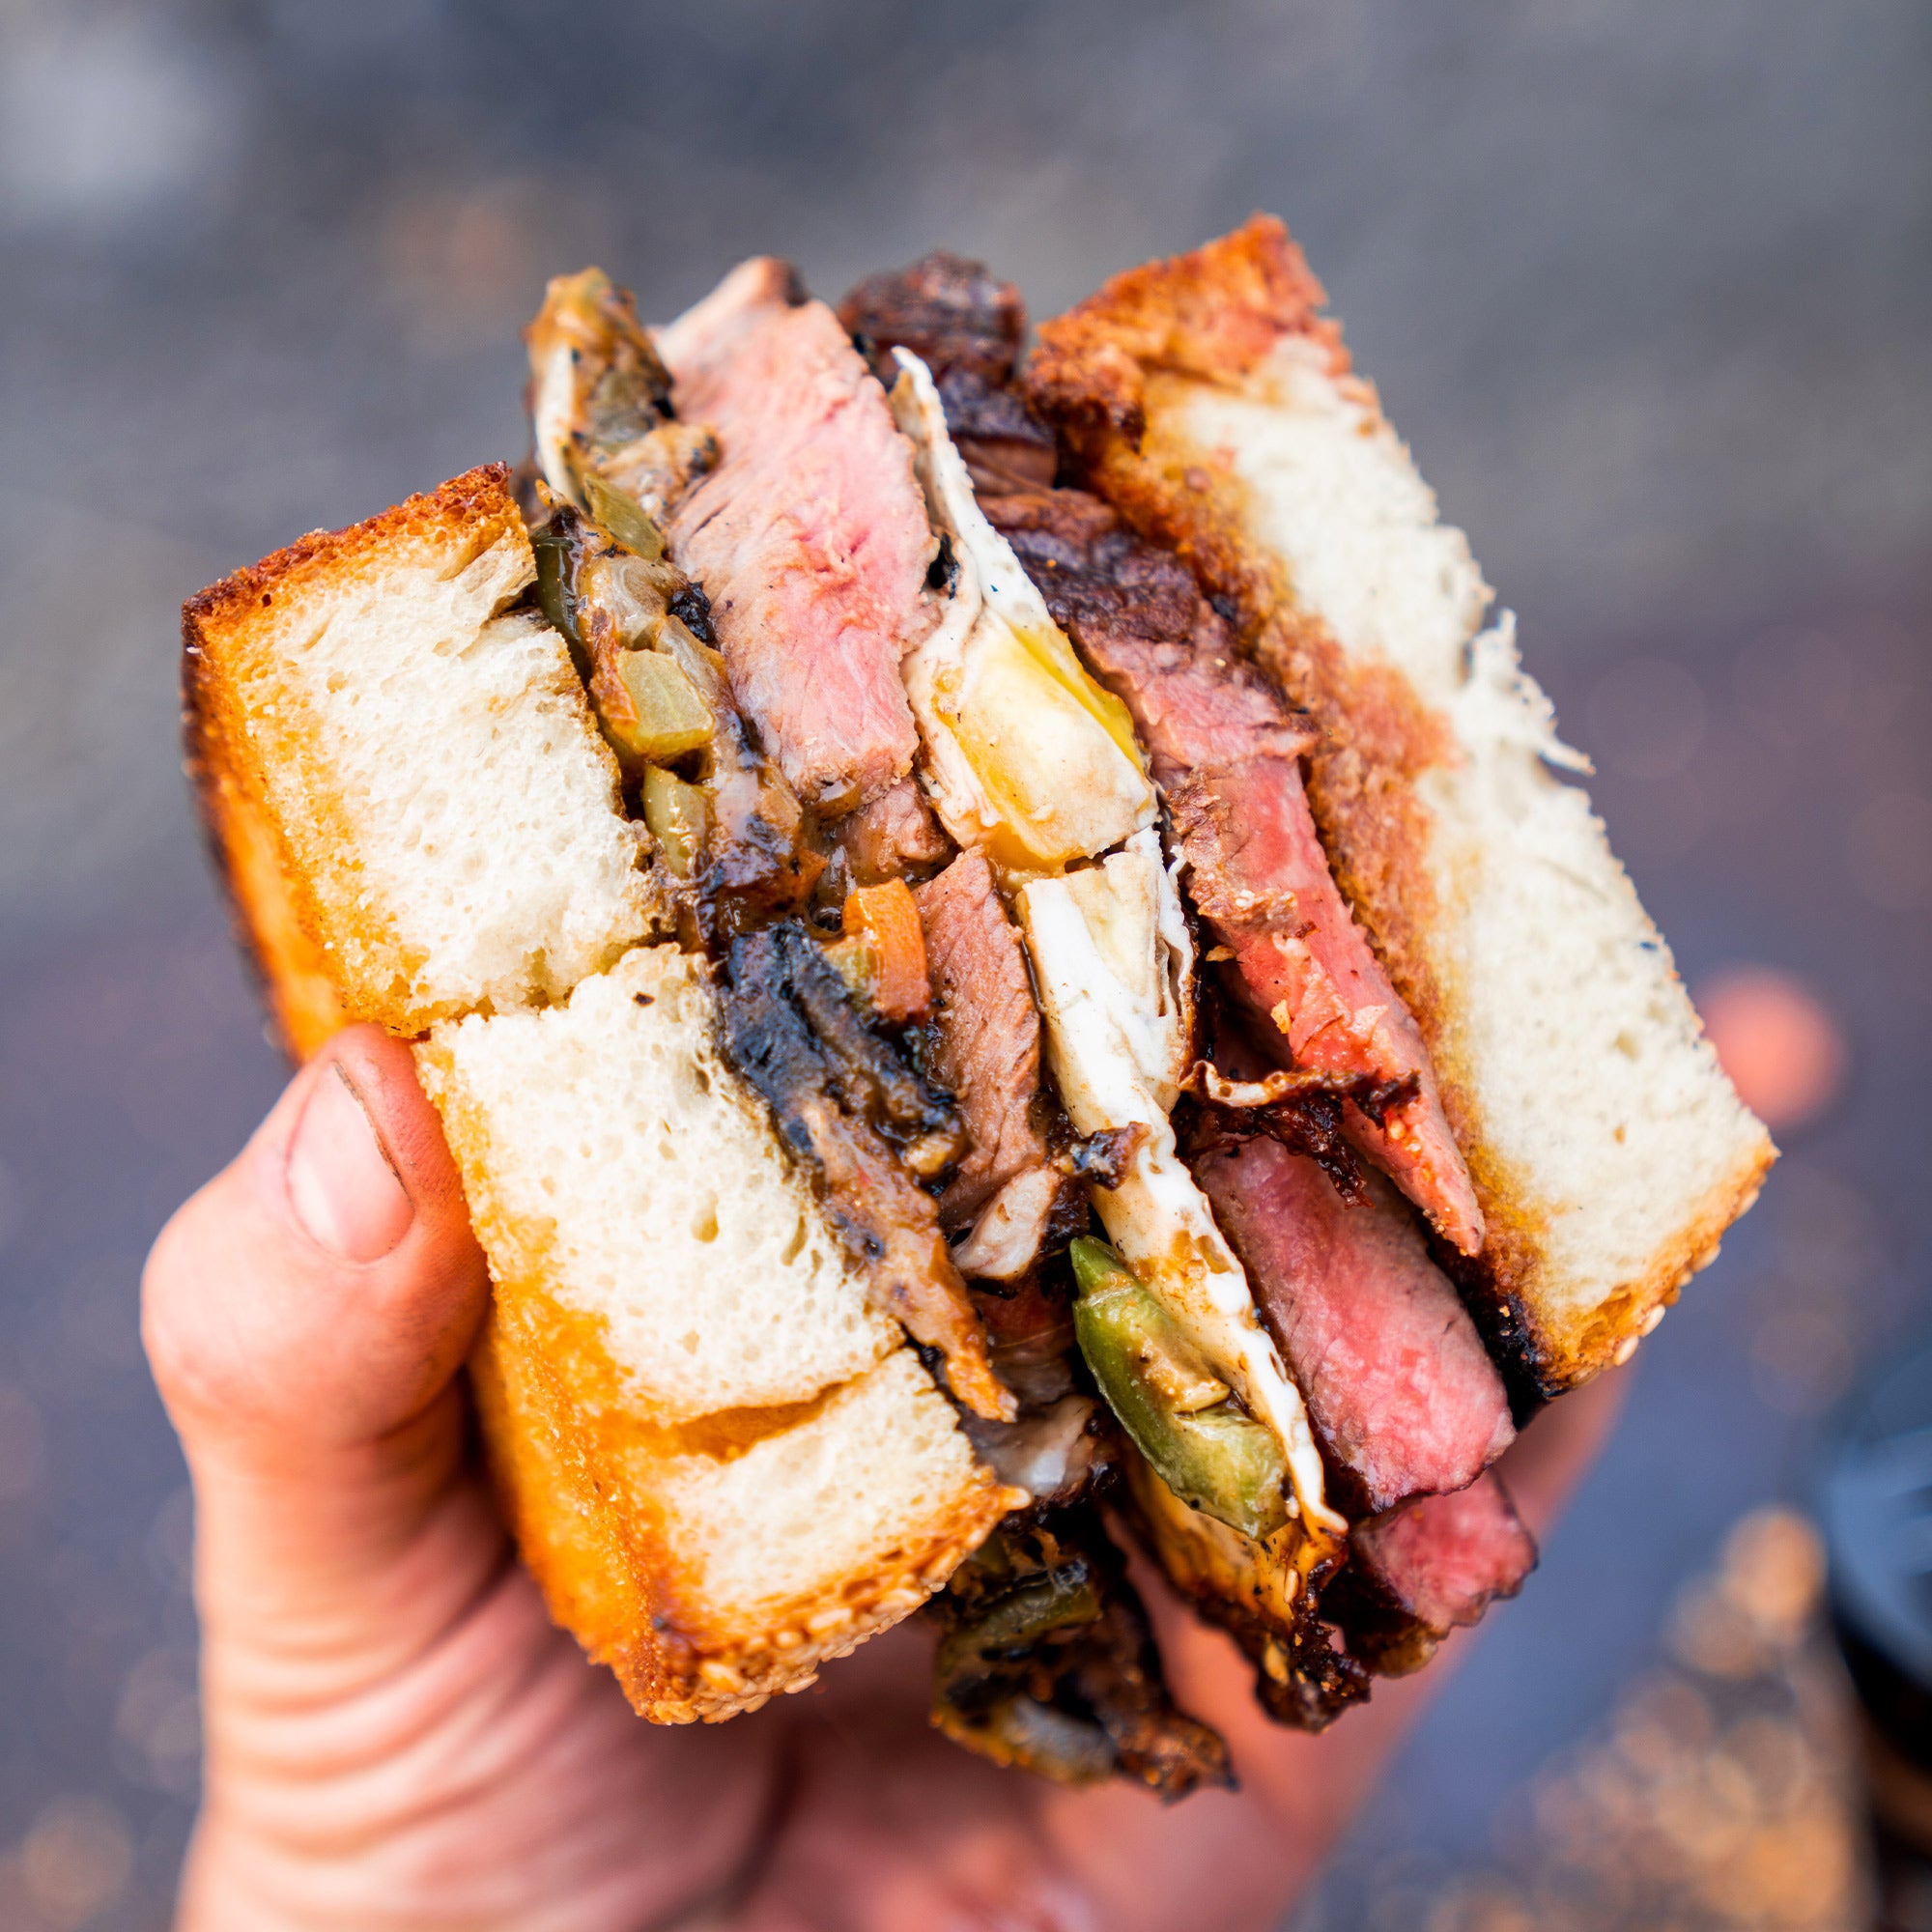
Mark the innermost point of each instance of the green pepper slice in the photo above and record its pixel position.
(623, 517)
(667, 717)
(557, 589)
(1217, 1460)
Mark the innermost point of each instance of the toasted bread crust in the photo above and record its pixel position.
(1113, 374)
(560, 1425)
(476, 507)
(609, 1563)
(1214, 314)
(275, 915)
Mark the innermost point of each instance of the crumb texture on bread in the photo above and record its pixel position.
(446, 811)
(1608, 1149)
(612, 1156)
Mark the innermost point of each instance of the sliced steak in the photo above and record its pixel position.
(810, 537)
(988, 1031)
(1226, 749)
(1428, 1569)
(894, 834)
(1399, 1387)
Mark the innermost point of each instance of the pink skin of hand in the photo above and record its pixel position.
(396, 1734)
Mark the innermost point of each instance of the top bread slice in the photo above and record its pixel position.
(722, 1465)
(1212, 403)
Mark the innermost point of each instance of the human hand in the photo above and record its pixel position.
(396, 1735)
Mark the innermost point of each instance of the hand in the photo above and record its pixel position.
(396, 1735)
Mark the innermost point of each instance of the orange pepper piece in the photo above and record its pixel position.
(886, 916)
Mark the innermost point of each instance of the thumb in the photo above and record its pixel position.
(306, 1315)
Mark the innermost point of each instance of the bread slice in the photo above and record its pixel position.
(760, 1473)
(721, 1465)
(1213, 404)
(419, 769)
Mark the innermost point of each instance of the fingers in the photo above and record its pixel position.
(306, 1315)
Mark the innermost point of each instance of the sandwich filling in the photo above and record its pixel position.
(1017, 921)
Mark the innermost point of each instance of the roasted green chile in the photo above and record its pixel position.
(676, 815)
(667, 717)
(623, 517)
(1201, 1444)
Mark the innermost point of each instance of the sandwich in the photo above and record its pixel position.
(1013, 969)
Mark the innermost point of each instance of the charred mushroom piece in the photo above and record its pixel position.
(846, 1104)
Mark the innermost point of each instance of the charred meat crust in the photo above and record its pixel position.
(950, 313)
(1045, 1660)
(967, 328)
(849, 1108)
(1306, 1122)
(1300, 1678)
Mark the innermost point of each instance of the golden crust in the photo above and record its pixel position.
(575, 1478)
(1113, 374)
(304, 1003)
(1213, 315)
(476, 508)
(575, 1460)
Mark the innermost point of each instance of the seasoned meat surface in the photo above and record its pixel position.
(1399, 1387)
(988, 1031)
(810, 536)
(847, 1106)
(950, 313)
(1225, 750)
(967, 328)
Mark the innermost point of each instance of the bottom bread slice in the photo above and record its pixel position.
(710, 1579)
(721, 1465)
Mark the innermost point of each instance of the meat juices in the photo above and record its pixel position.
(988, 1031)
(1398, 1383)
(1226, 748)
(810, 537)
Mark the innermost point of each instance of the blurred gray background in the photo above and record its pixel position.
(1648, 287)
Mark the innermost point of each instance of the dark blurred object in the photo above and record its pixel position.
(1877, 1513)
(1777, 1041)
